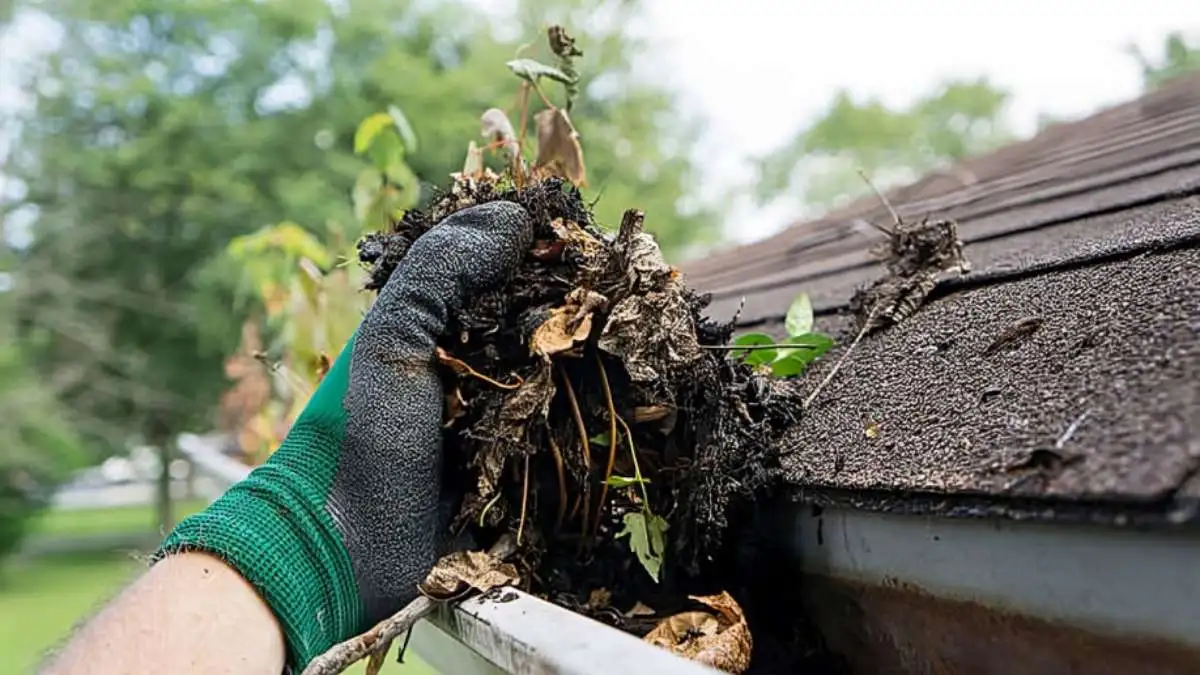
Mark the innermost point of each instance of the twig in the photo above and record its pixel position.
(524, 501)
(562, 481)
(1062, 440)
(838, 366)
(463, 368)
(884, 200)
(345, 654)
(583, 442)
(379, 638)
(774, 345)
(612, 443)
(524, 116)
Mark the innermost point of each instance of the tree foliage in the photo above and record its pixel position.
(1179, 56)
(163, 130)
(820, 164)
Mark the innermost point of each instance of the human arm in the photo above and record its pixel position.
(336, 529)
(190, 613)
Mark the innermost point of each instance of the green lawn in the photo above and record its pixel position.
(113, 520)
(42, 598)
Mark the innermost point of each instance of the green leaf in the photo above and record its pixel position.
(407, 135)
(601, 438)
(530, 70)
(754, 357)
(625, 481)
(815, 344)
(368, 130)
(799, 316)
(368, 189)
(647, 539)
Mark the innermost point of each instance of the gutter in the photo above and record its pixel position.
(514, 632)
(889, 593)
(927, 594)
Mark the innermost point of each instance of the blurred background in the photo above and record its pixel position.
(182, 183)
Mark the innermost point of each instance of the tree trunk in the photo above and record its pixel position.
(164, 442)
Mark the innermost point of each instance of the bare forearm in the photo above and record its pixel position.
(190, 613)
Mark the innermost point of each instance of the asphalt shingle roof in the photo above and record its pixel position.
(1091, 232)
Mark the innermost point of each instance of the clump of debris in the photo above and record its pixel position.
(587, 416)
(597, 429)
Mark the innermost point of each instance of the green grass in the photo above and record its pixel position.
(113, 520)
(43, 598)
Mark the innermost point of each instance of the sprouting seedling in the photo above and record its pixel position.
(790, 356)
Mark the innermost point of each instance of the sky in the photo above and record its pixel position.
(757, 70)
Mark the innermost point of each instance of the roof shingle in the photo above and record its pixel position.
(1092, 229)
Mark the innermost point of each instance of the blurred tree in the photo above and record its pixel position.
(161, 129)
(820, 164)
(1178, 57)
(37, 447)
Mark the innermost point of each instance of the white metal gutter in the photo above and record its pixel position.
(1141, 583)
(915, 594)
(519, 633)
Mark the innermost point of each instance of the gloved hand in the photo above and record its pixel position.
(339, 526)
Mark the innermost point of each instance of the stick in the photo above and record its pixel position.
(341, 656)
(612, 445)
(774, 345)
(583, 441)
(838, 366)
(884, 200)
(345, 654)
(562, 481)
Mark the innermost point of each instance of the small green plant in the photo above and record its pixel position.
(790, 356)
(647, 531)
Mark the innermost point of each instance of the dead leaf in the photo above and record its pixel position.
(458, 572)
(473, 164)
(495, 127)
(722, 640)
(558, 146)
(599, 599)
(872, 430)
(555, 334)
(653, 334)
(639, 609)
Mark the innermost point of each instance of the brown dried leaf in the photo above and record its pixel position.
(653, 334)
(599, 598)
(495, 127)
(559, 152)
(460, 571)
(556, 334)
(722, 641)
(639, 609)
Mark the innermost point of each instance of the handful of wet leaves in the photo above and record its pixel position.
(593, 415)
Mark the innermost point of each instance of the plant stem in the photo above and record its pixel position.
(562, 481)
(637, 470)
(524, 502)
(612, 442)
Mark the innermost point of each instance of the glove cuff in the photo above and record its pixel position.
(273, 529)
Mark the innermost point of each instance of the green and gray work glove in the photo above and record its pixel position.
(339, 526)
